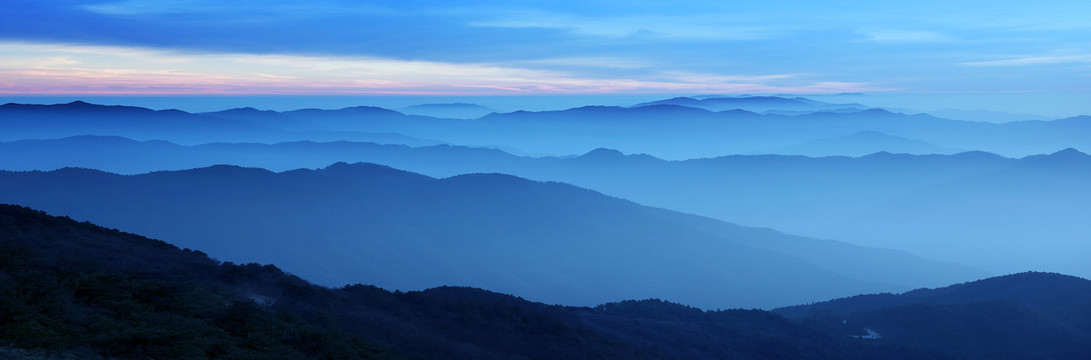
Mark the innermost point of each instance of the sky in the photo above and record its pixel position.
(931, 48)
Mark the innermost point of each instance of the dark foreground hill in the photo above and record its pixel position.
(1022, 316)
(548, 242)
(76, 290)
(91, 293)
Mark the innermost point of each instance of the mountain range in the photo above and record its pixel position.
(573, 233)
(77, 290)
(757, 104)
(1000, 214)
(545, 241)
(655, 129)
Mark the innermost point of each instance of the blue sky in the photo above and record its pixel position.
(411, 47)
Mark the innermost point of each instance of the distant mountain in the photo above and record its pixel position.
(655, 129)
(1021, 316)
(449, 111)
(937, 206)
(23, 121)
(983, 115)
(863, 143)
(76, 290)
(807, 112)
(549, 242)
(127, 156)
(1027, 215)
(758, 104)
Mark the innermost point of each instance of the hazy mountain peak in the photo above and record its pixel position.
(245, 110)
(228, 170)
(449, 110)
(365, 169)
(603, 153)
(977, 154)
(876, 111)
(1069, 153)
(341, 166)
(1060, 157)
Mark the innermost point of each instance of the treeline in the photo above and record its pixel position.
(60, 294)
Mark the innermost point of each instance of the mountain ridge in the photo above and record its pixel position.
(159, 294)
(415, 223)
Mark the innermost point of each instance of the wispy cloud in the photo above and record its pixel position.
(220, 8)
(903, 36)
(58, 68)
(1033, 60)
(694, 26)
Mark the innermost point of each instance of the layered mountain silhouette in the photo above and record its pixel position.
(76, 290)
(548, 242)
(1024, 213)
(656, 129)
(983, 115)
(78, 118)
(758, 104)
(23, 121)
(861, 144)
(1028, 213)
(79, 290)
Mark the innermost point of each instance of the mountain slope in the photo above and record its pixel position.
(861, 144)
(1026, 315)
(448, 111)
(24, 121)
(88, 292)
(1028, 215)
(76, 290)
(546, 241)
(758, 104)
(1002, 214)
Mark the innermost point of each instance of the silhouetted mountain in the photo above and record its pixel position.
(863, 143)
(983, 115)
(93, 293)
(758, 104)
(654, 129)
(658, 129)
(1025, 215)
(1027, 315)
(884, 200)
(22, 121)
(545, 241)
(76, 290)
(448, 111)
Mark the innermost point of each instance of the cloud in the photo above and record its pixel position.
(131, 70)
(1033, 60)
(903, 36)
(692, 26)
(235, 8)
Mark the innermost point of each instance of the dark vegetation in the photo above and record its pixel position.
(74, 289)
(90, 292)
(1029, 315)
